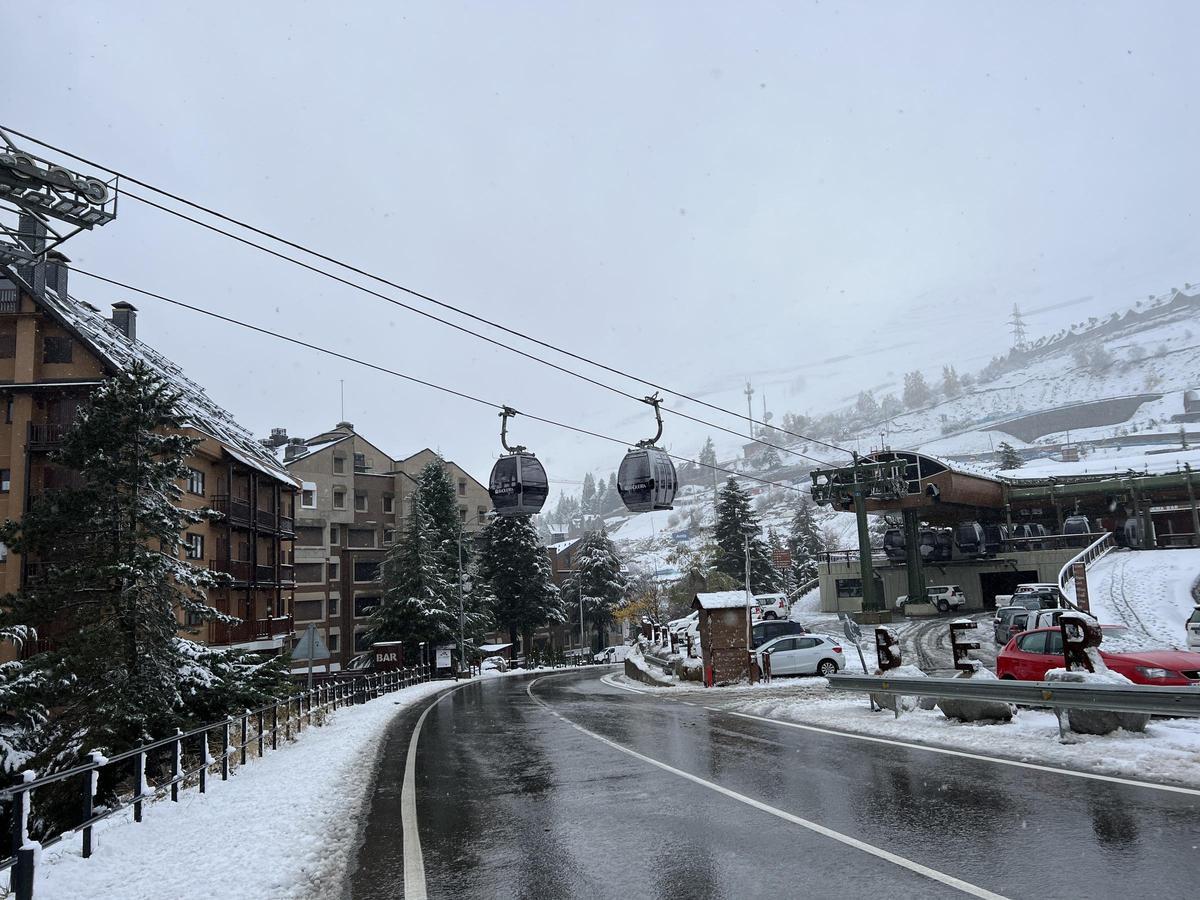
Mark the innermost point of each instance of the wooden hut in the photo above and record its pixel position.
(722, 629)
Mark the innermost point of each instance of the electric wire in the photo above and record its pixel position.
(429, 299)
(463, 395)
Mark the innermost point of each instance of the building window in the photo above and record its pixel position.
(310, 536)
(193, 545)
(361, 537)
(481, 514)
(339, 465)
(333, 607)
(333, 572)
(360, 641)
(848, 588)
(360, 501)
(332, 643)
(308, 573)
(8, 410)
(308, 498)
(56, 349)
(389, 502)
(364, 605)
(462, 514)
(195, 482)
(308, 610)
(3, 551)
(389, 536)
(335, 535)
(462, 487)
(8, 346)
(365, 570)
(5, 480)
(339, 499)
(360, 462)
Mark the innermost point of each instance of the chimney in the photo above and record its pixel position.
(278, 438)
(56, 272)
(124, 318)
(294, 448)
(344, 426)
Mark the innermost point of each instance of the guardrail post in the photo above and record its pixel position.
(91, 781)
(287, 720)
(205, 759)
(139, 778)
(225, 749)
(21, 881)
(245, 735)
(310, 696)
(275, 726)
(176, 765)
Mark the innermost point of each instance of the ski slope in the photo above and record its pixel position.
(1148, 590)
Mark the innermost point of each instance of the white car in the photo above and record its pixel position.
(803, 654)
(1193, 629)
(613, 654)
(679, 626)
(772, 606)
(944, 596)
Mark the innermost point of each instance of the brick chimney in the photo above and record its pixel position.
(124, 317)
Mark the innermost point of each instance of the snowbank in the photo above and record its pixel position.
(284, 826)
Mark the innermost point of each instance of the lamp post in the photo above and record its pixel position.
(462, 640)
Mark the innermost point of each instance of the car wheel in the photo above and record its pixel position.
(943, 606)
(1007, 677)
(827, 667)
(770, 615)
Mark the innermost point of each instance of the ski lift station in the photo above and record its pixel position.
(954, 526)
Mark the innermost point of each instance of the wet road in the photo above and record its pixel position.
(523, 790)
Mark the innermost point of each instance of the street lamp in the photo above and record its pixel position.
(748, 530)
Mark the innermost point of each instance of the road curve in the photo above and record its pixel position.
(564, 786)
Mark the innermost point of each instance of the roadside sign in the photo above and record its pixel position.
(851, 629)
(442, 660)
(387, 656)
(310, 646)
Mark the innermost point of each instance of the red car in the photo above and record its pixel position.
(1029, 655)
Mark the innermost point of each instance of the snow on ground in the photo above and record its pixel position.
(281, 827)
(1168, 751)
(1148, 590)
(1105, 460)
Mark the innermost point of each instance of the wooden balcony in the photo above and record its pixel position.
(287, 574)
(46, 435)
(234, 509)
(265, 518)
(287, 526)
(239, 569)
(251, 631)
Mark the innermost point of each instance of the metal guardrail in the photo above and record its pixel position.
(1087, 556)
(1156, 701)
(161, 768)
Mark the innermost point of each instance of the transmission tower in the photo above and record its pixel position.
(1017, 324)
(750, 407)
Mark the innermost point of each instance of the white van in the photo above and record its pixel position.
(1193, 629)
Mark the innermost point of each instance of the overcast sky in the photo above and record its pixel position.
(693, 192)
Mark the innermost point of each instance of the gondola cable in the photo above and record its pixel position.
(430, 299)
(415, 380)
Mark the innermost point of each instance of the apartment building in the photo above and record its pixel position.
(54, 351)
(355, 503)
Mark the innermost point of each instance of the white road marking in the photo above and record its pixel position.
(414, 863)
(949, 880)
(965, 754)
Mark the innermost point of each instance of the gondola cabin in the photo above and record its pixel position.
(646, 480)
(518, 486)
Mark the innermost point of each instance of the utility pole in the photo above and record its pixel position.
(750, 408)
(462, 642)
(746, 536)
(870, 601)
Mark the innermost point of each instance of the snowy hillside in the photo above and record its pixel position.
(1151, 591)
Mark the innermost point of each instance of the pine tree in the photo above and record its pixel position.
(708, 453)
(587, 500)
(951, 384)
(916, 390)
(514, 565)
(735, 519)
(598, 581)
(805, 542)
(1009, 457)
(110, 588)
(769, 459)
(419, 575)
(866, 406)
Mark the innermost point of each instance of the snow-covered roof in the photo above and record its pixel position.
(197, 409)
(563, 545)
(722, 600)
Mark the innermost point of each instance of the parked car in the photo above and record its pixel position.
(1193, 629)
(761, 632)
(612, 654)
(496, 663)
(1033, 595)
(1028, 656)
(944, 596)
(810, 654)
(772, 606)
(677, 626)
(1003, 624)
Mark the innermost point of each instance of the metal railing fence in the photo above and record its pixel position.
(162, 767)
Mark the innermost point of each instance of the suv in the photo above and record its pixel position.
(772, 606)
(1011, 620)
(944, 596)
(1193, 629)
(761, 632)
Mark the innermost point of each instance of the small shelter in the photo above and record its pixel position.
(722, 628)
